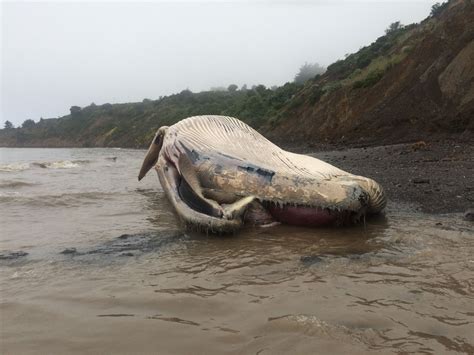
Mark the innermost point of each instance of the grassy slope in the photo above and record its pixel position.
(414, 83)
(134, 124)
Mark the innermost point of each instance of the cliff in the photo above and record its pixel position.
(418, 84)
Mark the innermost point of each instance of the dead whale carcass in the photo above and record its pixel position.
(219, 173)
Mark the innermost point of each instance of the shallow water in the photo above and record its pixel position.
(108, 270)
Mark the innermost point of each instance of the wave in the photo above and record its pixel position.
(60, 164)
(59, 200)
(14, 167)
(12, 184)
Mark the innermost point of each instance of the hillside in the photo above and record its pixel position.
(133, 125)
(416, 82)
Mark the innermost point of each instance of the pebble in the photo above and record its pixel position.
(469, 215)
(126, 254)
(13, 255)
(311, 259)
(421, 181)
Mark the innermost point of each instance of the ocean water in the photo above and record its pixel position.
(93, 261)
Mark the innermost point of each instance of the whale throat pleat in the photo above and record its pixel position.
(231, 137)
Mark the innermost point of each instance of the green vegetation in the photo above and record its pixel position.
(134, 124)
(342, 69)
(308, 71)
(393, 28)
(366, 67)
(369, 76)
(28, 124)
(8, 125)
(438, 8)
(372, 78)
(232, 88)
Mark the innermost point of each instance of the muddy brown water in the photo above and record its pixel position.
(91, 261)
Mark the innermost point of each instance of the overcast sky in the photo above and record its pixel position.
(55, 55)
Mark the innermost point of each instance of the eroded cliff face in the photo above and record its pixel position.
(456, 82)
(429, 91)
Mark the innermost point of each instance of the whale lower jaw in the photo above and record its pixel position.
(311, 216)
(323, 213)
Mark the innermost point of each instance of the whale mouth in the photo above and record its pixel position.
(307, 216)
(215, 213)
(225, 212)
(311, 216)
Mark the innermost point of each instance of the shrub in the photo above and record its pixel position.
(232, 88)
(438, 8)
(393, 28)
(308, 71)
(333, 86)
(28, 124)
(341, 69)
(371, 79)
(315, 94)
(75, 111)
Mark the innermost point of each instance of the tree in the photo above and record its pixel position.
(437, 8)
(186, 93)
(28, 124)
(394, 27)
(75, 111)
(308, 71)
(8, 125)
(260, 89)
(232, 88)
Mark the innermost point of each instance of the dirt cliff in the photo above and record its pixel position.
(419, 88)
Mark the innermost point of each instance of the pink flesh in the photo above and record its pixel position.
(302, 216)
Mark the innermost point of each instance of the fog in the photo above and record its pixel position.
(55, 55)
